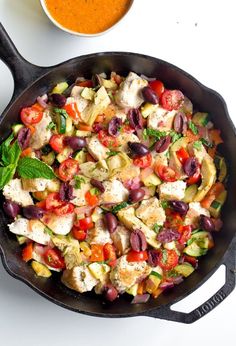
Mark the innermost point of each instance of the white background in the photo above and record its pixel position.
(197, 36)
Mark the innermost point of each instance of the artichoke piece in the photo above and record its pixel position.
(70, 248)
(94, 170)
(117, 163)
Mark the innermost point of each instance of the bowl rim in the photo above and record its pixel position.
(76, 33)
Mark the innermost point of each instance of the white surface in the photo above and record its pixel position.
(196, 36)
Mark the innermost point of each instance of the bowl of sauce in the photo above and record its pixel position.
(86, 17)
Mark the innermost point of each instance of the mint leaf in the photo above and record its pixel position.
(14, 153)
(6, 174)
(155, 133)
(175, 136)
(193, 127)
(4, 148)
(33, 168)
(78, 181)
(197, 145)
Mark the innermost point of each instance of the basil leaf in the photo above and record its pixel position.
(6, 174)
(33, 168)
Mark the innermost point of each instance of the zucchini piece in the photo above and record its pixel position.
(16, 128)
(184, 269)
(80, 133)
(133, 290)
(64, 154)
(153, 282)
(40, 269)
(69, 126)
(200, 119)
(61, 123)
(148, 109)
(49, 158)
(223, 170)
(194, 250)
(190, 193)
(60, 88)
(217, 204)
(151, 180)
(80, 156)
(21, 239)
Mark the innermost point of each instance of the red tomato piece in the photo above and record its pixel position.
(144, 161)
(27, 252)
(126, 128)
(168, 259)
(107, 140)
(165, 173)
(191, 260)
(195, 178)
(31, 115)
(185, 234)
(172, 99)
(157, 86)
(53, 201)
(68, 208)
(85, 223)
(182, 155)
(96, 253)
(173, 220)
(68, 169)
(134, 256)
(85, 83)
(79, 234)
(54, 259)
(91, 199)
(109, 254)
(72, 111)
(57, 143)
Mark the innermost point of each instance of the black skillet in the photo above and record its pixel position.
(31, 81)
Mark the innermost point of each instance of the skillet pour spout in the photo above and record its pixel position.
(31, 81)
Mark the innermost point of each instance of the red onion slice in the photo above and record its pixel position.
(42, 100)
(140, 299)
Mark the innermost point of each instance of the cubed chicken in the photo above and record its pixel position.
(132, 222)
(128, 173)
(32, 229)
(79, 279)
(99, 234)
(192, 216)
(125, 274)
(121, 240)
(129, 93)
(123, 140)
(151, 213)
(59, 224)
(96, 149)
(81, 102)
(161, 119)
(42, 133)
(115, 192)
(172, 190)
(14, 192)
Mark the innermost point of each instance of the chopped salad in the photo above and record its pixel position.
(114, 182)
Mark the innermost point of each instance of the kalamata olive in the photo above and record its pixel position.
(24, 137)
(98, 184)
(66, 192)
(180, 122)
(113, 126)
(179, 206)
(167, 235)
(111, 222)
(32, 212)
(135, 119)
(162, 144)
(58, 100)
(149, 95)
(136, 195)
(138, 241)
(10, 208)
(76, 143)
(138, 149)
(110, 293)
(96, 80)
(190, 166)
(206, 223)
(153, 257)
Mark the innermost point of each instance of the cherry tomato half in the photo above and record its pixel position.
(53, 201)
(31, 115)
(68, 208)
(109, 253)
(85, 223)
(27, 252)
(157, 86)
(172, 99)
(72, 110)
(107, 140)
(54, 259)
(165, 173)
(96, 253)
(144, 161)
(182, 155)
(185, 234)
(85, 83)
(168, 259)
(57, 143)
(134, 256)
(78, 233)
(91, 199)
(68, 169)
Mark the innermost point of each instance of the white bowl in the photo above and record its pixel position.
(43, 4)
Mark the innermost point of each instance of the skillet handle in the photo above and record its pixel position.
(24, 73)
(168, 314)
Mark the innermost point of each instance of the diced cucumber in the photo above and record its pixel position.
(99, 270)
(61, 123)
(133, 291)
(151, 180)
(49, 158)
(16, 128)
(200, 118)
(80, 156)
(201, 238)
(21, 239)
(190, 193)
(40, 269)
(194, 250)
(69, 126)
(216, 205)
(64, 154)
(60, 88)
(184, 269)
(153, 282)
(148, 109)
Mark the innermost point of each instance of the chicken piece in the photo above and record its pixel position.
(129, 93)
(161, 119)
(79, 279)
(172, 190)
(14, 191)
(59, 224)
(151, 213)
(32, 229)
(127, 173)
(123, 140)
(192, 216)
(132, 222)
(125, 274)
(99, 234)
(96, 149)
(79, 194)
(115, 192)
(121, 240)
(76, 97)
(42, 133)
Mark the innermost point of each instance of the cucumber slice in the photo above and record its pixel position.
(60, 88)
(194, 250)
(216, 205)
(80, 156)
(151, 180)
(61, 123)
(69, 126)
(49, 158)
(184, 269)
(40, 269)
(16, 128)
(190, 193)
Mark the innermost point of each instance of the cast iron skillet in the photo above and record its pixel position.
(31, 81)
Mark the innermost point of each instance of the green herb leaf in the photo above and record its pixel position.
(94, 191)
(4, 147)
(164, 256)
(6, 174)
(33, 168)
(120, 206)
(164, 204)
(197, 145)
(61, 112)
(48, 231)
(78, 181)
(193, 127)
(206, 143)
(175, 136)
(51, 126)
(112, 153)
(155, 133)
(145, 136)
(156, 228)
(159, 276)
